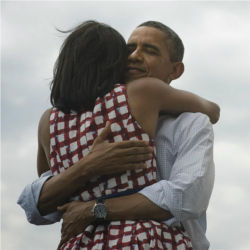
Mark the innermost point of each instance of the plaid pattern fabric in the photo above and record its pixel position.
(128, 235)
(71, 138)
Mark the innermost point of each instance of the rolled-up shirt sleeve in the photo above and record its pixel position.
(28, 200)
(185, 186)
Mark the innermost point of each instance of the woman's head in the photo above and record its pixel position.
(92, 59)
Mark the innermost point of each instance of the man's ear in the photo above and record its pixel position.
(178, 69)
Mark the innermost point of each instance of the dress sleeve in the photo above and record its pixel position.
(187, 191)
(28, 200)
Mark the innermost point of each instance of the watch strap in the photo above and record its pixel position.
(99, 200)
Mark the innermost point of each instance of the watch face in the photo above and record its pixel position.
(100, 211)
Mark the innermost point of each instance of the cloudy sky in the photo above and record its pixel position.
(217, 40)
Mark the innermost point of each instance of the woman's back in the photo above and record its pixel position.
(72, 135)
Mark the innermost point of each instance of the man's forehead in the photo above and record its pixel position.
(148, 35)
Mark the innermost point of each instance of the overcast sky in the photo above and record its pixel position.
(217, 66)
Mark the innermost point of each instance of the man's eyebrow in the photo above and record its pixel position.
(145, 45)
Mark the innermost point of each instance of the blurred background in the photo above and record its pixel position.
(216, 36)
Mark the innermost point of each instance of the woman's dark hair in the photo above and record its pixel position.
(91, 61)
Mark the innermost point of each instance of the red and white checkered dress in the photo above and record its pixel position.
(71, 138)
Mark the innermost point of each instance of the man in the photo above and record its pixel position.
(184, 153)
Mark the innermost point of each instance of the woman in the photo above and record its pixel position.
(87, 91)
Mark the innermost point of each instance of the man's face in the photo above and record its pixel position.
(148, 55)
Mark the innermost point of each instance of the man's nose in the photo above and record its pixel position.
(135, 55)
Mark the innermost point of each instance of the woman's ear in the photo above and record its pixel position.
(178, 69)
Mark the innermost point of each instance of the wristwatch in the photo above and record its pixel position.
(99, 210)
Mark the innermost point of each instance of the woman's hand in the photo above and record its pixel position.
(213, 112)
(77, 215)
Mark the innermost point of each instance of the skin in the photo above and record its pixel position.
(148, 57)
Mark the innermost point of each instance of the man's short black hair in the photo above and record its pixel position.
(175, 45)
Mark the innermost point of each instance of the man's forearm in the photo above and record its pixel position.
(135, 207)
(77, 215)
(104, 159)
(57, 190)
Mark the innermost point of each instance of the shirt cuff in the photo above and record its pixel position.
(164, 195)
(28, 200)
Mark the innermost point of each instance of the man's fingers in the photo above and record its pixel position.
(131, 155)
(131, 166)
(128, 144)
(62, 228)
(67, 236)
(63, 208)
(63, 240)
(104, 134)
(135, 158)
(64, 237)
(132, 151)
(60, 244)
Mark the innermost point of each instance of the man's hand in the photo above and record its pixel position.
(111, 158)
(103, 159)
(76, 217)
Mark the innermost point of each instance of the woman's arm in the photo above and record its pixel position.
(158, 95)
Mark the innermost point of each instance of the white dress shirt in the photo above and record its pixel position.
(185, 166)
(184, 152)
